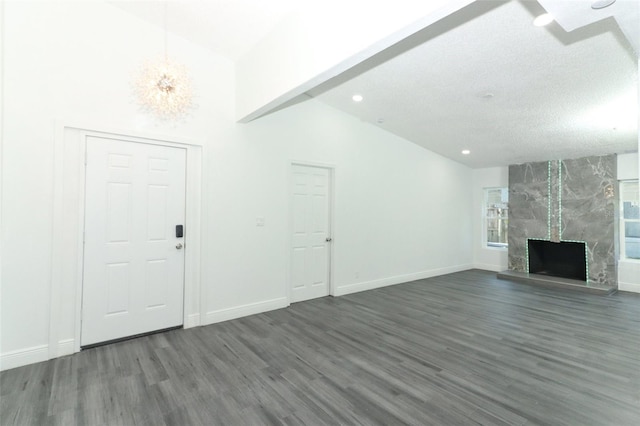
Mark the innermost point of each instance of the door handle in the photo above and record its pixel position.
(328, 239)
(179, 246)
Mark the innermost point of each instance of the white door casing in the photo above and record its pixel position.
(133, 279)
(310, 232)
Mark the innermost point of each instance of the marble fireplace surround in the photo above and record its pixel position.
(566, 200)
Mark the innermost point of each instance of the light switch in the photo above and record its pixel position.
(259, 221)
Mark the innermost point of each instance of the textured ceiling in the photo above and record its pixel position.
(487, 80)
(572, 14)
(227, 27)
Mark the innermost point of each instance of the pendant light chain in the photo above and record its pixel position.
(166, 48)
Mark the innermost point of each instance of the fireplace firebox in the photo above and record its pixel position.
(559, 259)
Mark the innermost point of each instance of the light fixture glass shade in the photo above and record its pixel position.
(163, 87)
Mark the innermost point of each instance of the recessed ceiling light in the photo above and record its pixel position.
(380, 120)
(542, 20)
(466, 152)
(601, 4)
(357, 98)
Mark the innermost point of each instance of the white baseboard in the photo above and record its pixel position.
(66, 347)
(631, 287)
(245, 310)
(489, 267)
(629, 275)
(20, 357)
(193, 320)
(35, 354)
(399, 279)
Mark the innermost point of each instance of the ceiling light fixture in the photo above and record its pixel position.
(466, 152)
(542, 20)
(163, 87)
(601, 4)
(357, 98)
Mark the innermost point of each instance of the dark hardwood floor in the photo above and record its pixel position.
(459, 349)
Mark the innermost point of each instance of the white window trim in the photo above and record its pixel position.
(622, 222)
(485, 244)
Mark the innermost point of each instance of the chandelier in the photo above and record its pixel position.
(163, 87)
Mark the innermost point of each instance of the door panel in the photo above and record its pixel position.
(133, 273)
(118, 212)
(118, 288)
(310, 227)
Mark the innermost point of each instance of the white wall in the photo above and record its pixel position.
(627, 166)
(628, 269)
(401, 212)
(316, 44)
(74, 62)
(489, 258)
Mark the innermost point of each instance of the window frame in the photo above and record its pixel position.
(485, 219)
(622, 221)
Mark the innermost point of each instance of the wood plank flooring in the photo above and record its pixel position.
(460, 349)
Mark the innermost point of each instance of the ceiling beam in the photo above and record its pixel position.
(315, 45)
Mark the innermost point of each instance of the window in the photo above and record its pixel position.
(629, 220)
(496, 216)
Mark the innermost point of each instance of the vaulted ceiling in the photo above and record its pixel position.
(227, 27)
(486, 80)
(483, 79)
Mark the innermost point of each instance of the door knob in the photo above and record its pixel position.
(328, 239)
(179, 246)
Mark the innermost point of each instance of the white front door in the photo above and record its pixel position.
(310, 227)
(133, 262)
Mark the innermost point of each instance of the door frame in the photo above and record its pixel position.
(332, 227)
(67, 262)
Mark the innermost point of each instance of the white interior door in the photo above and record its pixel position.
(133, 262)
(311, 232)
